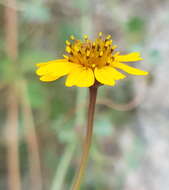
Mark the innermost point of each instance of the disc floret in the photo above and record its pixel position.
(91, 54)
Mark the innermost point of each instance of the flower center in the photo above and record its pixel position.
(90, 54)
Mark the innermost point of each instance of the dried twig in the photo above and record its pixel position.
(12, 139)
(31, 139)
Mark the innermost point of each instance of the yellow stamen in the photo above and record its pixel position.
(72, 37)
(100, 34)
(114, 47)
(85, 37)
(108, 37)
(88, 53)
(68, 49)
(65, 56)
(94, 44)
(101, 53)
(67, 42)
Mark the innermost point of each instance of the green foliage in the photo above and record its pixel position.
(64, 130)
(36, 11)
(9, 73)
(135, 29)
(134, 156)
(103, 125)
(155, 57)
(135, 24)
(82, 5)
(36, 94)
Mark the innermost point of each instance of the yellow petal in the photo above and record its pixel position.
(129, 69)
(135, 56)
(52, 70)
(81, 77)
(107, 75)
(48, 78)
(49, 62)
(56, 68)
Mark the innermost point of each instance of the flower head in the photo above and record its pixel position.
(88, 62)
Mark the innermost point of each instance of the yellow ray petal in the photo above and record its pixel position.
(56, 68)
(135, 56)
(49, 78)
(81, 77)
(49, 62)
(107, 75)
(128, 69)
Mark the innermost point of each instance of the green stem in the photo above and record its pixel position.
(88, 139)
(63, 167)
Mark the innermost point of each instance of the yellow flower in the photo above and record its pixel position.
(88, 62)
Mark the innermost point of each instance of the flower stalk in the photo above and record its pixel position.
(88, 138)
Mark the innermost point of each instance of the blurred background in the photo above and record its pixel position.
(42, 124)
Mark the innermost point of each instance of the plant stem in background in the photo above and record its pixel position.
(11, 30)
(14, 182)
(88, 139)
(31, 139)
(63, 166)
